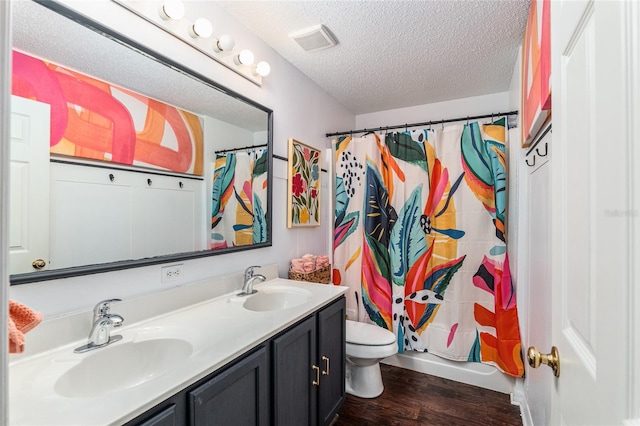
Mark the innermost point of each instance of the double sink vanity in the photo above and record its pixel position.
(196, 354)
(272, 357)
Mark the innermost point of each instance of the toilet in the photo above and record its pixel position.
(367, 345)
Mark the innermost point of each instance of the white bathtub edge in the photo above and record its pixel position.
(476, 374)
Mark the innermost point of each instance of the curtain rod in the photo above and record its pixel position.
(426, 123)
(280, 157)
(224, 151)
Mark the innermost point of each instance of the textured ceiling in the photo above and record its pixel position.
(394, 54)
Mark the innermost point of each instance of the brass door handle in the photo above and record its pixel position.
(325, 372)
(552, 359)
(38, 264)
(316, 382)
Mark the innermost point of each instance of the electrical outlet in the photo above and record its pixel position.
(172, 273)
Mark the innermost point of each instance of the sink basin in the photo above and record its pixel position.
(277, 298)
(122, 365)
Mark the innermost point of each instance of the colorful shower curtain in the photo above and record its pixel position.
(239, 198)
(420, 241)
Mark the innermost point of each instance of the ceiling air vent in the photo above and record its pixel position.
(314, 38)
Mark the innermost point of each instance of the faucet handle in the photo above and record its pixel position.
(102, 308)
(116, 320)
(248, 273)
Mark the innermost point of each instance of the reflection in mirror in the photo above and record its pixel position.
(238, 196)
(121, 157)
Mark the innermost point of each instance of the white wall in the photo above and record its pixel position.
(477, 105)
(516, 234)
(301, 110)
(5, 93)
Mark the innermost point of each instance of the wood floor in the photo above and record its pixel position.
(411, 398)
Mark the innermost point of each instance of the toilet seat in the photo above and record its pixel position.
(371, 351)
(359, 333)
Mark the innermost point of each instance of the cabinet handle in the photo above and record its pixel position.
(316, 382)
(326, 363)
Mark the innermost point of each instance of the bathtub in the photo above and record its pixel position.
(472, 373)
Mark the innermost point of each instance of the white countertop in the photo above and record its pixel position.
(219, 330)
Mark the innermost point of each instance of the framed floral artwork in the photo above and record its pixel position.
(304, 185)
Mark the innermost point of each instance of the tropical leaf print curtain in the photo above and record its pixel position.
(420, 241)
(238, 199)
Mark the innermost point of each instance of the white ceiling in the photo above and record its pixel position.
(394, 54)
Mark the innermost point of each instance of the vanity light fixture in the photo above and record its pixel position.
(244, 58)
(201, 28)
(224, 44)
(171, 9)
(169, 15)
(262, 69)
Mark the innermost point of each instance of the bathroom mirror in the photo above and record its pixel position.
(86, 211)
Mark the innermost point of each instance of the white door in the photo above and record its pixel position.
(29, 185)
(591, 212)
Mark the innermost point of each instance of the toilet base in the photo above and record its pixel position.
(364, 381)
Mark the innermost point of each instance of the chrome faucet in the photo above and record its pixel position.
(249, 278)
(103, 322)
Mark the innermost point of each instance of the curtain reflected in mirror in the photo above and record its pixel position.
(239, 199)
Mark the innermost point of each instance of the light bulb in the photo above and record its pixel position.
(201, 28)
(224, 43)
(262, 69)
(172, 9)
(244, 58)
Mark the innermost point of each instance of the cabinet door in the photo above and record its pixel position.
(294, 359)
(237, 396)
(331, 352)
(166, 417)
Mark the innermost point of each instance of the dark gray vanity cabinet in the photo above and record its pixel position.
(308, 369)
(166, 417)
(237, 396)
(295, 378)
(295, 370)
(331, 352)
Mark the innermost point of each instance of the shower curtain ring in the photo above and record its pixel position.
(442, 124)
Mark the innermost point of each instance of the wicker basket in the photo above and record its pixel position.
(322, 275)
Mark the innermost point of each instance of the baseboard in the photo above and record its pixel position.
(518, 398)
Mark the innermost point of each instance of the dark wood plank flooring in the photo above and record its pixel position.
(411, 398)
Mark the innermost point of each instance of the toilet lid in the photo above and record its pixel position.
(359, 333)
